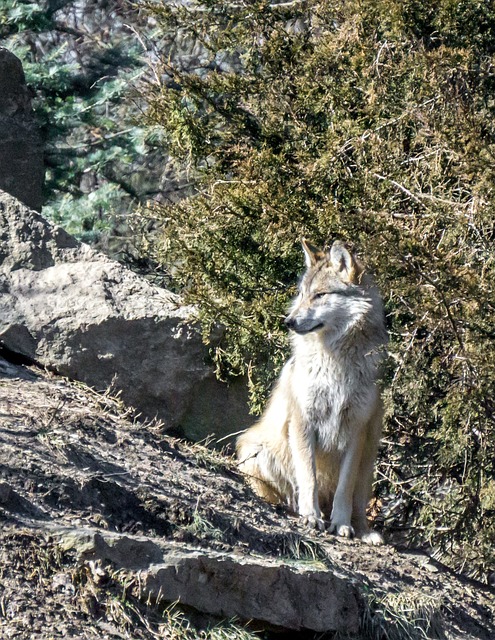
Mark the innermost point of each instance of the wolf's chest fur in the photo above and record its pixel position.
(333, 393)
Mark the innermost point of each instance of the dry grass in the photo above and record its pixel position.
(402, 615)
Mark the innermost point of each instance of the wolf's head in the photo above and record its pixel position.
(335, 295)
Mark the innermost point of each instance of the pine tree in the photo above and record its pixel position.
(82, 63)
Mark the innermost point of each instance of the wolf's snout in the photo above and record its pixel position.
(302, 324)
(289, 322)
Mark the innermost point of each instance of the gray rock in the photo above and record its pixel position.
(75, 311)
(276, 593)
(21, 149)
(293, 596)
(126, 552)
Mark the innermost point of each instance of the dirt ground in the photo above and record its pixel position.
(72, 457)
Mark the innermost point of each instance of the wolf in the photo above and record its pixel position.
(315, 446)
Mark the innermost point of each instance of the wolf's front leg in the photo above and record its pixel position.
(363, 488)
(302, 446)
(343, 499)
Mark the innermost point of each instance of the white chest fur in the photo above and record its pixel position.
(335, 391)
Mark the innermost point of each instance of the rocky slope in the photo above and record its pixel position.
(105, 521)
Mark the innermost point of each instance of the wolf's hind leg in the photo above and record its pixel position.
(260, 469)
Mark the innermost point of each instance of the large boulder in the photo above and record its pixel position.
(75, 311)
(295, 597)
(21, 149)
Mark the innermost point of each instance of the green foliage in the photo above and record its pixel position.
(371, 121)
(82, 71)
(16, 15)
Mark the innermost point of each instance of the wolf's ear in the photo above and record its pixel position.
(311, 253)
(345, 264)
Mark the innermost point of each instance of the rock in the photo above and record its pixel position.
(126, 552)
(219, 584)
(21, 149)
(75, 311)
(6, 493)
(271, 592)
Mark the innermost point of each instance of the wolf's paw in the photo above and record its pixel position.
(313, 522)
(342, 530)
(372, 537)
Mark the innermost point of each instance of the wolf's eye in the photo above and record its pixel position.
(322, 294)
